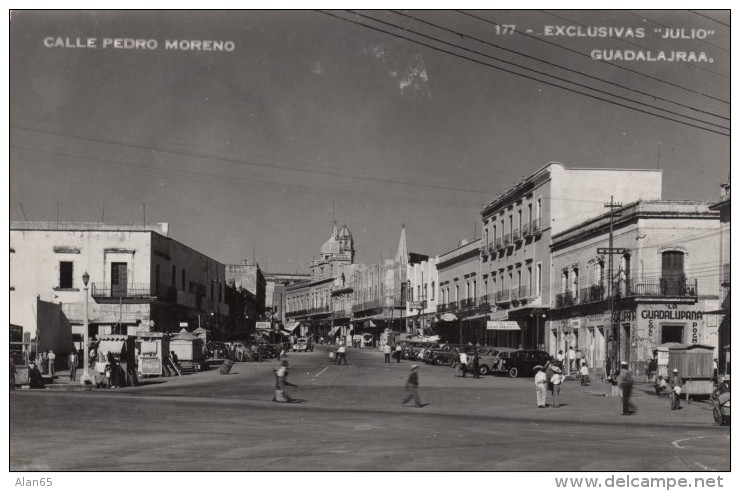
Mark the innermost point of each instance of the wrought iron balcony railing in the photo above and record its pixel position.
(565, 299)
(677, 287)
(134, 290)
(593, 293)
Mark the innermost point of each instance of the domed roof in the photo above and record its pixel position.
(344, 232)
(331, 246)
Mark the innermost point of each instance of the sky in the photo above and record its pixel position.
(252, 151)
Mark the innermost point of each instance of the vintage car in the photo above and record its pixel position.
(443, 356)
(303, 344)
(217, 350)
(522, 362)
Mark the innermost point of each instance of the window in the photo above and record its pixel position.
(494, 233)
(539, 210)
(433, 290)
(418, 292)
(473, 293)
(457, 293)
(156, 275)
(519, 217)
(174, 276)
(425, 290)
(529, 279)
(66, 274)
(574, 281)
(182, 280)
(529, 214)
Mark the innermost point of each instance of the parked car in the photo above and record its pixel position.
(217, 349)
(443, 356)
(521, 362)
(303, 344)
(486, 358)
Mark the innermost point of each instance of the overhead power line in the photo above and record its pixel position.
(709, 18)
(442, 50)
(703, 41)
(656, 97)
(233, 160)
(586, 55)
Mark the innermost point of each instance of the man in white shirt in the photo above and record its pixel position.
(341, 355)
(387, 352)
(463, 362)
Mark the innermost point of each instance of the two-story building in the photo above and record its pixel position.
(662, 286)
(140, 278)
(517, 229)
(462, 305)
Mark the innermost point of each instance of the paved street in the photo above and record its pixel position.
(350, 418)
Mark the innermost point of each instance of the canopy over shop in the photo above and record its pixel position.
(189, 349)
(119, 348)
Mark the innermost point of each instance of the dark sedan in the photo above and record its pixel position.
(522, 362)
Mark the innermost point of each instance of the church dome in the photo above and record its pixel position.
(331, 246)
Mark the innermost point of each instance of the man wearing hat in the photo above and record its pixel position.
(676, 384)
(557, 380)
(412, 386)
(281, 381)
(540, 386)
(625, 381)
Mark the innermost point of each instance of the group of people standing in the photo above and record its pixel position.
(395, 350)
(548, 379)
(462, 363)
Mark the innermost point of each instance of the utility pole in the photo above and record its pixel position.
(614, 355)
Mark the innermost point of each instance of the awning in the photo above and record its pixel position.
(284, 332)
(292, 326)
(334, 329)
(264, 329)
(111, 346)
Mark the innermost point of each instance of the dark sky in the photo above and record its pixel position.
(250, 149)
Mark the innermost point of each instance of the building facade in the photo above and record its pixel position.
(140, 279)
(247, 276)
(660, 290)
(422, 298)
(722, 205)
(275, 284)
(517, 230)
(309, 302)
(462, 306)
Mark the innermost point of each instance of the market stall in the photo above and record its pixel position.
(116, 360)
(694, 364)
(152, 350)
(189, 350)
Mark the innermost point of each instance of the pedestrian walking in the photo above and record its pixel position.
(72, 364)
(571, 358)
(412, 387)
(625, 382)
(583, 372)
(540, 386)
(476, 364)
(387, 353)
(52, 359)
(398, 352)
(676, 383)
(463, 363)
(557, 381)
(44, 367)
(341, 355)
(281, 381)
(549, 366)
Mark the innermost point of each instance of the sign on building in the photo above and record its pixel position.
(265, 326)
(503, 326)
(418, 305)
(448, 317)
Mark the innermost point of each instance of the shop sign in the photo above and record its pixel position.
(264, 326)
(503, 326)
(418, 305)
(448, 317)
(499, 315)
(575, 323)
(624, 316)
(151, 366)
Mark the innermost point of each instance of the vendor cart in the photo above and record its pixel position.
(153, 349)
(694, 364)
(189, 350)
(117, 352)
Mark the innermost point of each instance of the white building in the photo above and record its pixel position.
(140, 279)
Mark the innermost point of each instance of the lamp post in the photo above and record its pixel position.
(86, 379)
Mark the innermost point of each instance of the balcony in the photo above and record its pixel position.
(468, 302)
(593, 293)
(672, 287)
(501, 296)
(101, 291)
(524, 292)
(726, 274)
(516, 235)
(507, 240)
(526, 230)
(319, 310)
(565, 300)
(500, 243)
(452, 306)
(484, 303)
(536, 227)
(491, 247)
(514, 293)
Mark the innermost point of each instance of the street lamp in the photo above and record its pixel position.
(86, 379)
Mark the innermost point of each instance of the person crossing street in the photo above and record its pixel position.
(412, 388)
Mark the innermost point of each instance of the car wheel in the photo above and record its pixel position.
(513, 372)
(483, 370)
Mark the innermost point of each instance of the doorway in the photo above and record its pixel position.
(118, 279)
